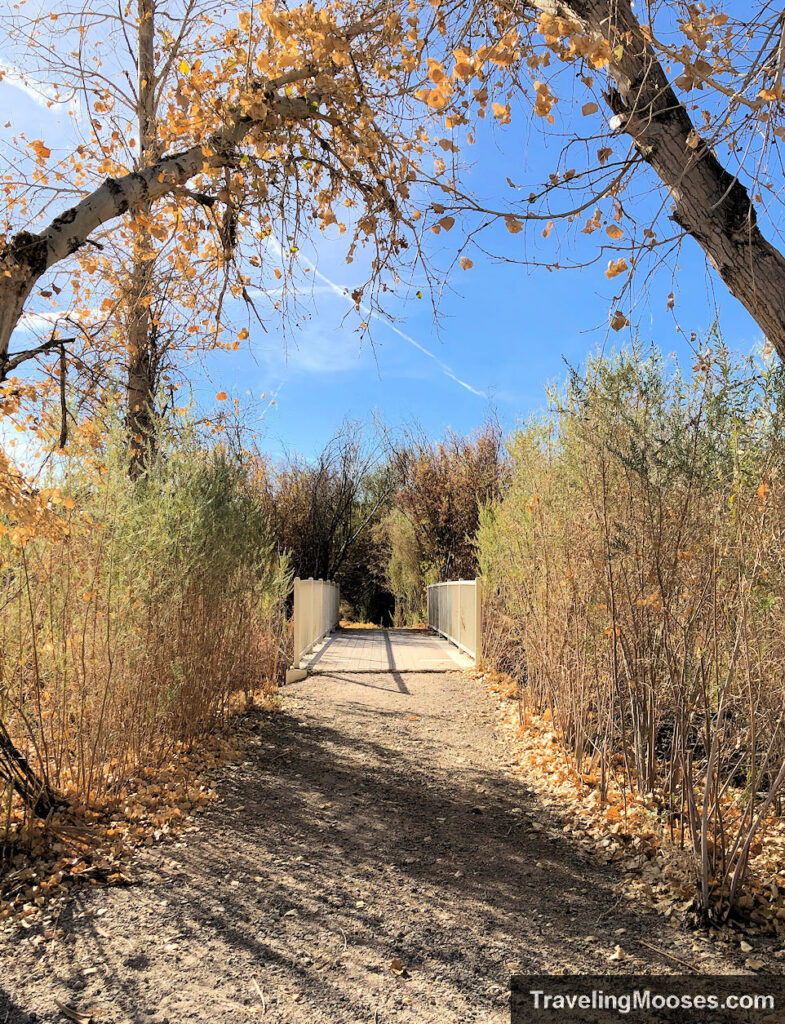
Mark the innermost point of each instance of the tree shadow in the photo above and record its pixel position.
(11, 1012)
(397, 677)
(332, 855)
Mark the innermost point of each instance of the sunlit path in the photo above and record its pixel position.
(385, 650)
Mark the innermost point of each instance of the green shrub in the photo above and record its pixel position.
(129, 629)
(635, 578)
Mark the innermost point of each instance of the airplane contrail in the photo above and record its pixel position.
(343, 293)
(401, 334)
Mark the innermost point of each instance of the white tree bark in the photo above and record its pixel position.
(27, 256)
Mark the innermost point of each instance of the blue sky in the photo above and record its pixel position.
(503, 329)
(502, 334)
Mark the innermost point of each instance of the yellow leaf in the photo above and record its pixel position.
(466, 263)
(69, 503)
(185, 67)
(221, 396)
(435, 98)
(41, 151)
(436, 72)
(243, 334)
(463, 69)
(619, 320)
(544, 101)
(616, 267)
(614, 231)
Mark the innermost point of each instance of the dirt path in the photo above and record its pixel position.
(376, 820)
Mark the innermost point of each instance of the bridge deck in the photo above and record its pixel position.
(385, 650)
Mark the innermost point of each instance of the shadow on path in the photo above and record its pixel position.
(355, 834)
(391, 664)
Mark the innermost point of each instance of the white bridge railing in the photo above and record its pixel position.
(455, 611)
(315, 614)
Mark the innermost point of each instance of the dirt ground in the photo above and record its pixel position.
(374, 860)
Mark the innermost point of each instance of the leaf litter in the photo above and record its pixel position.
(75, 847)
(629, 829)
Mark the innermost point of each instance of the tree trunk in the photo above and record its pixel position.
(709, 203)
(15, 769)
(142, 374)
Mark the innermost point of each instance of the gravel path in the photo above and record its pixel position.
(376, 828)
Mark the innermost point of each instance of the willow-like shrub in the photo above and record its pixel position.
(127, 628)
(635, 571)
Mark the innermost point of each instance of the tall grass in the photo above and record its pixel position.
(636, 574)
(128, 631)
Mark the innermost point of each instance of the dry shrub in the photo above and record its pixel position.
(635, 577)
(428, 533)
(126, 632)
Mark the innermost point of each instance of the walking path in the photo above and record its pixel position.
(375, 860)
(384, 650)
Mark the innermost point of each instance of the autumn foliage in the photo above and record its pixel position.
(428, 533)
(127, 628)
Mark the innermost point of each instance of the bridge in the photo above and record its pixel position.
(451, 641)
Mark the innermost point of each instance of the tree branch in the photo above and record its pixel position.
(8, 363)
